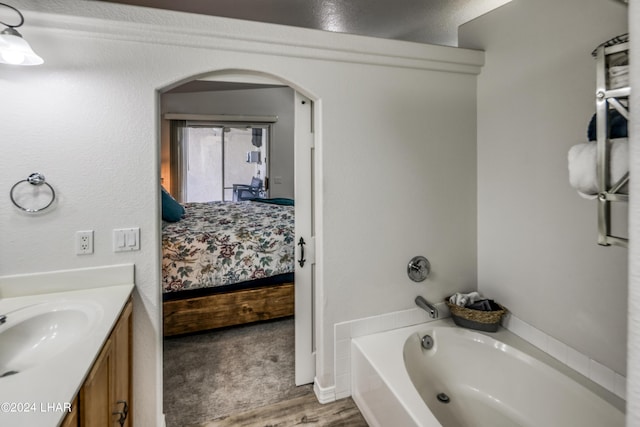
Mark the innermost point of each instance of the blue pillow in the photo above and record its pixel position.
(172, 211)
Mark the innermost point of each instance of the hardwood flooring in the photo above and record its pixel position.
(294, 412)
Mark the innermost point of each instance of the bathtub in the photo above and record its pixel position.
(489, 379)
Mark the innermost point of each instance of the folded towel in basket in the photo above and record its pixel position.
(464, 300)
(485, 305)
(582, 166)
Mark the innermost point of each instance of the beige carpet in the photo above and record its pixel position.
(215, 374)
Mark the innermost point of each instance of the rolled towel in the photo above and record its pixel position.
(616, 82)
(464, 300)
(473, 297)
(618, 70)
(582, 166)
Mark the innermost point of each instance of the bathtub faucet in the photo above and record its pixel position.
(427, 306)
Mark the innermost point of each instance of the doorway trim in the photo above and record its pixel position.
(258, 77)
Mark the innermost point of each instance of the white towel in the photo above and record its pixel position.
(616, 82)
(582, 166)
(618, 76)
(463, 300)
(619, 70)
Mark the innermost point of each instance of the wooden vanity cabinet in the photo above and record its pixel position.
(122, 382)
(105, 397)
(71, 420)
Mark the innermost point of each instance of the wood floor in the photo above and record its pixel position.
(294, 412)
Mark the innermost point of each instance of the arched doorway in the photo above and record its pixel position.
(303, 141)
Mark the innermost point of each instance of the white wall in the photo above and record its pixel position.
(268, 102)
(633, 344)
(391, 122)
(537, 250)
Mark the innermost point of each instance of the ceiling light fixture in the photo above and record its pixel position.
(13, 48)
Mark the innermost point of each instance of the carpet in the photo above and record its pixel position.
(218, 373)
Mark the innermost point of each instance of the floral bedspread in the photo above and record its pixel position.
(222, 243)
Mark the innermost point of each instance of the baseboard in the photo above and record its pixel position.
(324, 394)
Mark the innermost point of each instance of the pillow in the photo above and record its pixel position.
(172, 211)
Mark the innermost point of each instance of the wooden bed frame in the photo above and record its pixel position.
(227, 309)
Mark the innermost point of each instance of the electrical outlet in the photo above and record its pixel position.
(84, 242)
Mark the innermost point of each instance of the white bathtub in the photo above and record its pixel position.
(492, 379)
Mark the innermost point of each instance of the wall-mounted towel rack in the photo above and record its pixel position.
(609, 96)
(35, 179)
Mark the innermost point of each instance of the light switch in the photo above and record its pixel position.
(132, 238)
(119, 238)
(126, 239)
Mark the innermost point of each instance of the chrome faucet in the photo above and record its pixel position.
(427, 306)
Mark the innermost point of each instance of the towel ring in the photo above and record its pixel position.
(33, 179)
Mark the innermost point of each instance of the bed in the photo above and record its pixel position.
(228, 263)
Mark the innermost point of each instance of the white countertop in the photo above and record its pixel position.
(40, 394)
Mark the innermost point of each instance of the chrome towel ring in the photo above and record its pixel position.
(36, 179)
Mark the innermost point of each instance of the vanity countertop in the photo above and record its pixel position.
(52, 336)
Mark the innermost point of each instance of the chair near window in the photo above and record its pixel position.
(248, 192)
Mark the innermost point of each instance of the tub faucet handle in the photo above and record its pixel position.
(418, 268)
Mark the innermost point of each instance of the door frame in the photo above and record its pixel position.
(258, 77)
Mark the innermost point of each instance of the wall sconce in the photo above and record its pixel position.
(13, 48)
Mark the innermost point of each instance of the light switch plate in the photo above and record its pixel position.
(126, 239)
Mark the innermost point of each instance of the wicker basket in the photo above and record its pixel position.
(476, 319)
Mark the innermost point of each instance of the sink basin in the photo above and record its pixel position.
(37, 333)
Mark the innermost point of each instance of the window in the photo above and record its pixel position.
(217, 157)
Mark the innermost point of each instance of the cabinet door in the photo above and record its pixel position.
(105, 397)
(121, 379)
(71, 420)
(95, 398)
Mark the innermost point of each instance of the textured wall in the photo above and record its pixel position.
(633, 362)
(537, 250)
(396, 153)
